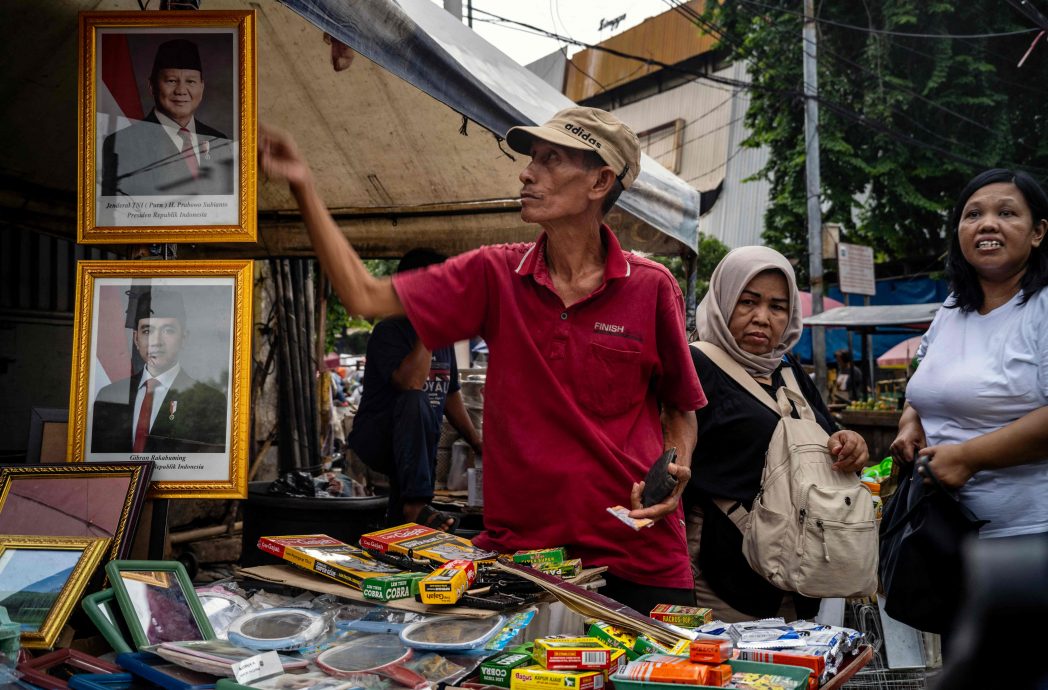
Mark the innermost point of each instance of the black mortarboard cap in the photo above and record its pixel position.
(177, 54)
(160, 304)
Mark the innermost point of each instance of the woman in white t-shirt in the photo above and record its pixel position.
(978, 404)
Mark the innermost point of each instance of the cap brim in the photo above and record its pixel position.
(520, 139)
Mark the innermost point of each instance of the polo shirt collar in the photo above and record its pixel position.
(615, 264)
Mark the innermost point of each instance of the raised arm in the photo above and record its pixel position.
(361, 293)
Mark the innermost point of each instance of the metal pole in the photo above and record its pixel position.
(811, 168)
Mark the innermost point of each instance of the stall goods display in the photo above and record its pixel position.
(391, 587)
(564, 570)
(418, 542)
(332, 558)
(663, 668)
(574, 653)
(685, 616)
(538, 678)
(498, 670)
(614, 637)
(538, 557)
(447, 584)
(711, 651)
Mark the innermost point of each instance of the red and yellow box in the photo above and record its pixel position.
(573, 653)
(447, 584)
(684, 616)
(427, 543)
(538, 678)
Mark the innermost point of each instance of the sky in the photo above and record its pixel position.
(579, 19)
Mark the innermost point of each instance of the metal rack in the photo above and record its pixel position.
(865, 618)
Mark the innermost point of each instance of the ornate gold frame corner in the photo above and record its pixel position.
(93, 548)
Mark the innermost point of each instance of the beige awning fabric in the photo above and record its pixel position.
(398, 168)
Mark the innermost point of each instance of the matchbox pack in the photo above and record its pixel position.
(332, 558)
(419, 542)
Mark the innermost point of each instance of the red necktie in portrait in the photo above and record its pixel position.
(188, 153)
(145, 415)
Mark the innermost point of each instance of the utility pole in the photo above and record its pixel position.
(813, 184)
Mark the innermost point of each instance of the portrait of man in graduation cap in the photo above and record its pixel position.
(170, 152)
(160, 408)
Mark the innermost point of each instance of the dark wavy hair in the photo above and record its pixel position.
(964, 283)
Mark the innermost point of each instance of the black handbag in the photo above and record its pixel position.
(921, 565)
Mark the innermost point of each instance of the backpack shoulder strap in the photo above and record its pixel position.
(729, 366)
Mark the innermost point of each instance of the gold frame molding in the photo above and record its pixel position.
(92, 550)
(243, 22)
(242, 272)
(130, 510)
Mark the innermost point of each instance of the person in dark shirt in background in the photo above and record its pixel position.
(408, 390)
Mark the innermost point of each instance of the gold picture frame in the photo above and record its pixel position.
(186, 325)
(138, 97)
(42, 580)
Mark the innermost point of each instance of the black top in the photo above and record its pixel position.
(735, 429)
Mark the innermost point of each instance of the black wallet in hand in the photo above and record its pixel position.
(659, 483)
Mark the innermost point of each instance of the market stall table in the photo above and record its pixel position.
(877, 427)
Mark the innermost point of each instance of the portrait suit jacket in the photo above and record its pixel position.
(191, 418)
(142, 160)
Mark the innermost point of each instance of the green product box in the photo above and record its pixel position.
(543, 556)
(390, 587)
(498, 670)
(565, 569)
(615, 638)
(646, 645)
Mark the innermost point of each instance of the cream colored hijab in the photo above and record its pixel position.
(731, 276)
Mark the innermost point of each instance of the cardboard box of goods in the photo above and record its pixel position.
(684, 616)
(326, 556)
(417, 541)
(498, 670)
(390, 587)
(572, 653)
(534, 557)
(538, 678)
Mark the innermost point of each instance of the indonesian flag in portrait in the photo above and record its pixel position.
(118, 96)
(112, 353)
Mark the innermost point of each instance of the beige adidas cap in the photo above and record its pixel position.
(588, 129)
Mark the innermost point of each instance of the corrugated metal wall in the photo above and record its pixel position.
(670, 37)
(737, 219)
(706, 111)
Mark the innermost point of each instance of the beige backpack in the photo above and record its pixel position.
(812, 530)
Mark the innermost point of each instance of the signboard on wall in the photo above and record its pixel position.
(855, 265)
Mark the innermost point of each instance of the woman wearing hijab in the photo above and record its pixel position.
(752, 314)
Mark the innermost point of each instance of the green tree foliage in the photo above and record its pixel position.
(338, 321)
(711, 251)
(904, 121)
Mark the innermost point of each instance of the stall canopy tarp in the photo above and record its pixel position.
(391, 157)
(900, 354)
(427, 47)
(877, 316)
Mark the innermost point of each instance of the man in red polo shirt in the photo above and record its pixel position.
(589, 375)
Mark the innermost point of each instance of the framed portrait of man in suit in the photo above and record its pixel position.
(161, 368)
(167, 127)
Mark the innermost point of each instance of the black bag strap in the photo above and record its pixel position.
(903, 490)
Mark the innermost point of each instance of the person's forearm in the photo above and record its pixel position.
(1023, 441)
(455, 411)
(361, 293)
(680, 431)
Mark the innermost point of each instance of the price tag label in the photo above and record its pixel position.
(257, 667)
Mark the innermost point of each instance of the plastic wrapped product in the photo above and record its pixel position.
(451, 633)
(279, 629)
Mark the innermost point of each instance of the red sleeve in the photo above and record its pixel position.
(446, 302)
(678, 383)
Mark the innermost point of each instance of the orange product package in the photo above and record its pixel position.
(663, 668)
(710, 651)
